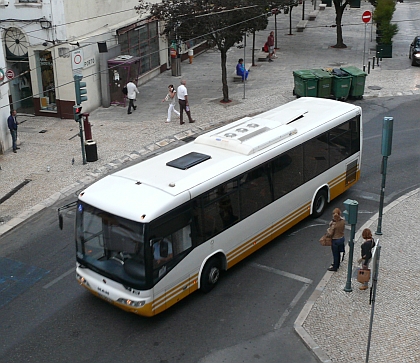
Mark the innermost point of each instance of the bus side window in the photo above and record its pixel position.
(287, 171)
(255, 191)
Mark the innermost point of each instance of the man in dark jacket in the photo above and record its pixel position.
(12, 124)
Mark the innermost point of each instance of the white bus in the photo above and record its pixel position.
(151, 234)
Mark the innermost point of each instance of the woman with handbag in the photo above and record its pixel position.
(366, 251)
(336, 231)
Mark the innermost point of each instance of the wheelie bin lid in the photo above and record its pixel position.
(304, 74)
(339, 73)
(320, 73)
(354, 71)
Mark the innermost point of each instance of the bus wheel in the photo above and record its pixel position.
(320, 203)
(210, 275)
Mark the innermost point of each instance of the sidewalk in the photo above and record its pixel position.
(333, 323)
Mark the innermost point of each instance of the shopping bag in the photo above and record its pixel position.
(325, 240)
(363, 275)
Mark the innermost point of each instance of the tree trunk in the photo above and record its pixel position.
(223, 57)
(253, 49)
(339, 10)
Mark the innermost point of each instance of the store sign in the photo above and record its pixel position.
(89, 62)
(77, 61)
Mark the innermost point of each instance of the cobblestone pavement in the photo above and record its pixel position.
(333, 324)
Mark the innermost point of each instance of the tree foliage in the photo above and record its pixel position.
(383, 16)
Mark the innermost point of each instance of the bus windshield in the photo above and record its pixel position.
(111, 245)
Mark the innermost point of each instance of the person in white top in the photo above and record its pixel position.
(171, 98)
(182, 94)
(132, 92)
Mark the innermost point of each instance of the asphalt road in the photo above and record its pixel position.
(46, 317)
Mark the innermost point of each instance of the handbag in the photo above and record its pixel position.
(363, 275)
(325, 240)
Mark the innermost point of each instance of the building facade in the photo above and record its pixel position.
(47, 42)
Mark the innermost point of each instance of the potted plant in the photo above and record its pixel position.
(385, 29)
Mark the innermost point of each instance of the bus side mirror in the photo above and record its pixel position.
(60, 220)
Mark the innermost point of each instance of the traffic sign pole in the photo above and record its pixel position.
(364, 50)
(366, 16)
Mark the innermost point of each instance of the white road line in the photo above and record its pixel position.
(282, 273)
(291, 306)
(59, 278)
(306, 282)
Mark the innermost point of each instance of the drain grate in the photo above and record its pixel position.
(189, 139)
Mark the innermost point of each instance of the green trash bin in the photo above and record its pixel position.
(357, 88)
(306, 83)
(341, 84)
(324, 82)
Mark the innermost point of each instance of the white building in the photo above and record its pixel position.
(47, 42)
(5, 138)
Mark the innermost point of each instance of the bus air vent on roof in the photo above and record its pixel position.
(189, 160)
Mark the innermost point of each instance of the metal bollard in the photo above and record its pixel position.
(373, 63)
(364, 68)
(369, 67)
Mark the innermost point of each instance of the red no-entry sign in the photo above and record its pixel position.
(366, 16)
(10, 74)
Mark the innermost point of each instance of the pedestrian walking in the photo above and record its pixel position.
(182, 94)
(270, 44)
(336, 231)
(366, 252)
(132, 92)
(171, 98)
(12, 124)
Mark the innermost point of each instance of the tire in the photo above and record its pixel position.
(320, 203)
(210, 275)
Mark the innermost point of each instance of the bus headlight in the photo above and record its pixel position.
(82, 280)
(132, 303)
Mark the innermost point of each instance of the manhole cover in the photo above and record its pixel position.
(375, 88)
(43, 131)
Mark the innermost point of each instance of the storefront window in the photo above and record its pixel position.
(46, 81)
(142, 41)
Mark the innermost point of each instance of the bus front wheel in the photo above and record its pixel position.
(320, 203)
(210, 275)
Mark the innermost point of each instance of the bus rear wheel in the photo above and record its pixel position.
(210, 275)
(320, 203)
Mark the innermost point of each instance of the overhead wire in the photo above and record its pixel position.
(151, 53)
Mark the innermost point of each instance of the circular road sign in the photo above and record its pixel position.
(10, 74)
(366, 16)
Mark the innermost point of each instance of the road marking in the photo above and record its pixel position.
(290, 307)
(282, 273)
(306, 282)
(58, 278)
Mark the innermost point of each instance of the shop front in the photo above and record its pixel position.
(17, 64)
(46, 84)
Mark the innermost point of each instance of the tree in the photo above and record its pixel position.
(382, 16)
(339, 6)
(222, 22)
